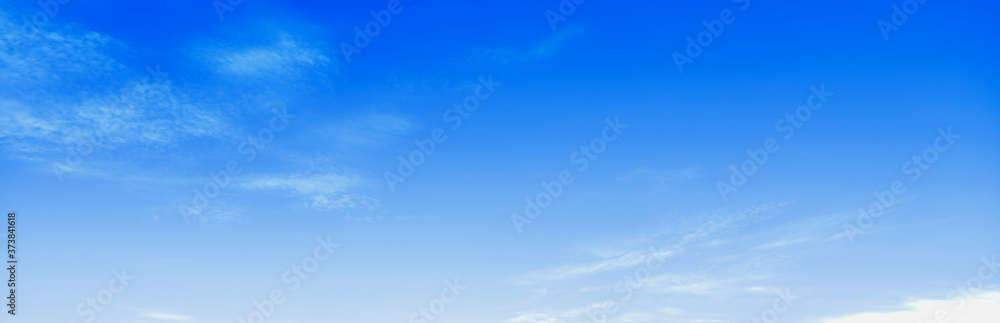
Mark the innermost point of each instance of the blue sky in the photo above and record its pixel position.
(219, 156)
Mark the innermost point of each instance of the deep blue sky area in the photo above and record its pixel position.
(502, 161)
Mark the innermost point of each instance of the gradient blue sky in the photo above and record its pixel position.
(655, 186)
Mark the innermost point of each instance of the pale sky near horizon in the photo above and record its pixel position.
(502, 161)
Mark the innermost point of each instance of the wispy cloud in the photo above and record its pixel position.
(533, 317)
(138, 113)
(782, 243)
(548, 47)
(32, 60)
(66, 87)
(580, 315)
(558, 316)
(280, 55)
(690, 284)
(662, 178)
(633, 251)
(364, 130)
(221, 213)
(629, 259)
(167, 317)
(319, 191)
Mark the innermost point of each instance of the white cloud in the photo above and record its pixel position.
(366, 130)
(321, 191)
(285, 56)
(690, 284)
(533, 318)
(598, 310)
(167, 316)
(66, 87)
(982, 308)
(671, 311)
(147, 114)
(570, 315)
(629, 252)
(220, 213)
(629, 259)
(53, 54)
(718, 222)
(781, 243)
(546, 48)
(662, 176)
